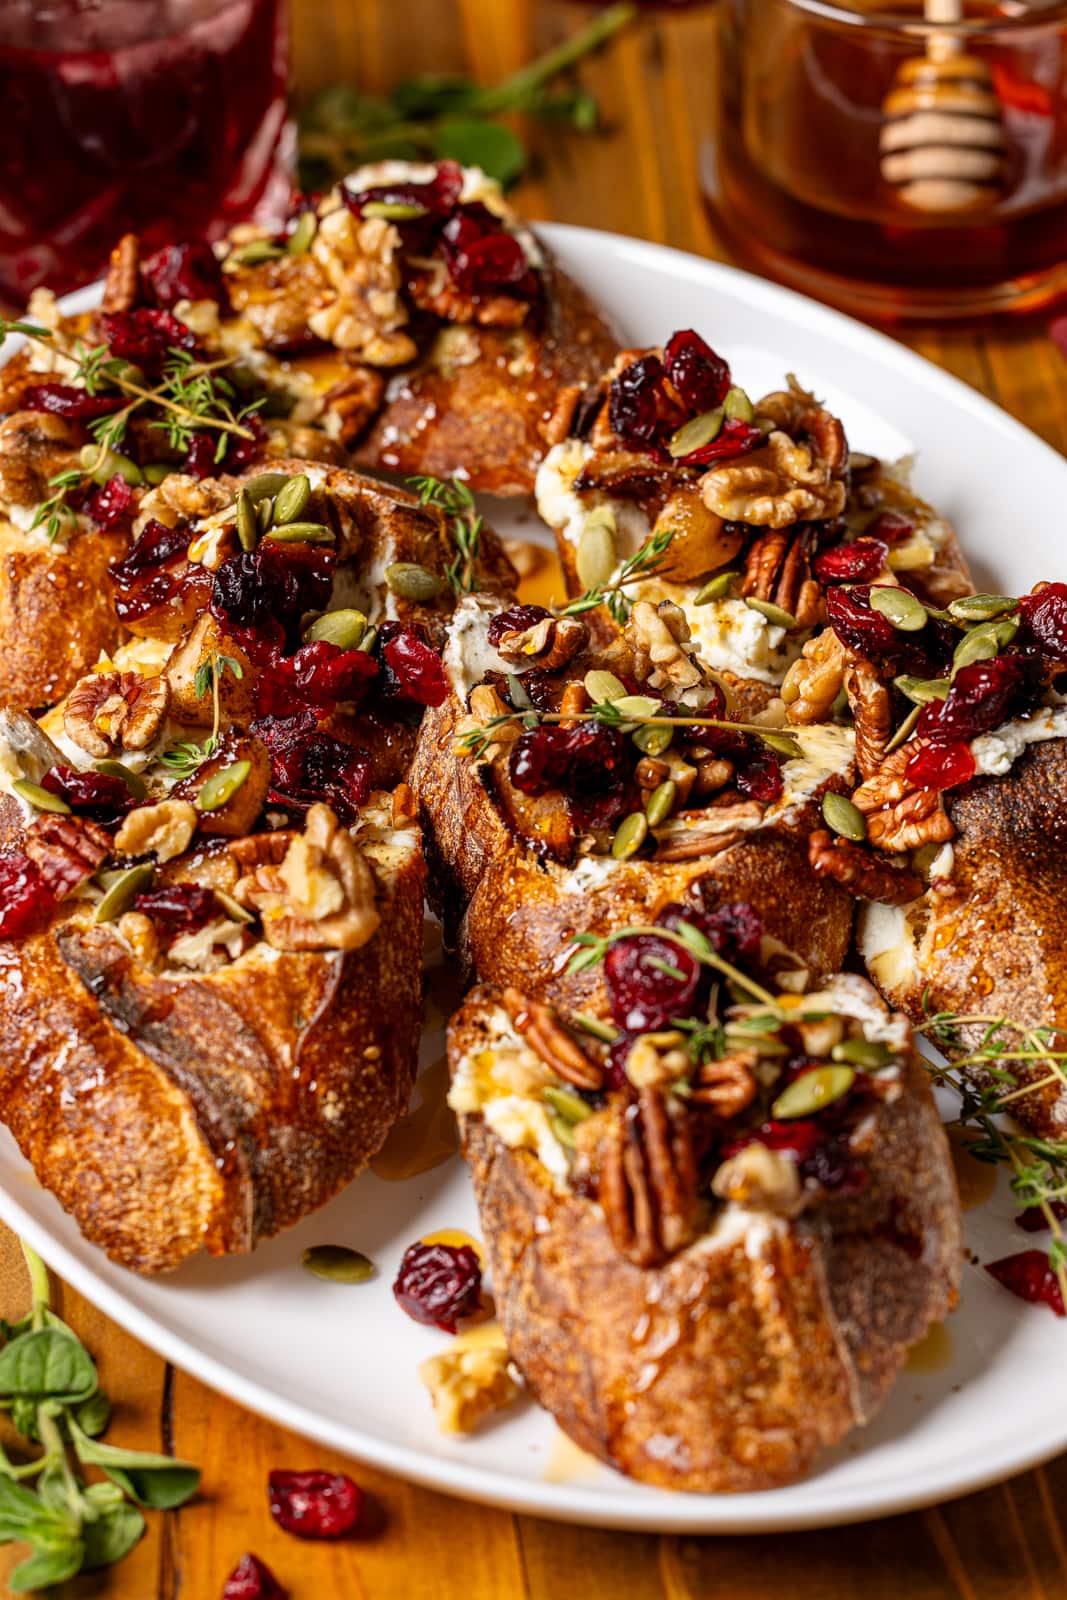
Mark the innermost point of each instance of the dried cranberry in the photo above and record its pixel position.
(516, 619)
(865, 631)
(940, 766)
(145, 336)
(481, 256)
(252, 1579)
(891, 527)
(183, 272)
(584, 760)
(650, 981)
(978, 701)
(734, 438)
(701, 377)
(1034, 1220)
(25, 899)
(857, 562)
(1030, 1276)
(833, 1167)
(309, 764)
(90, 794)
(318, 675)
(155, 546)
(1044, 620)
(760, 777)
(178, 908)
(109, 504)
(241, 453)
(734, 931)
(439, 1283)
(413, 667)
(634, 403)
(800, 1138)
(438, 196)
(314, 1505)
(64, 400)
(273, 581)
(200, 458)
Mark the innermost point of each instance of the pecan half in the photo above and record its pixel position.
(815, 679)
(556, 426)
(726, 1086)
(860, 871)
(548, 644)
(539, 1026)
(67, 850)
(122, 286)
(437, 295)
(647, 1179)
(920, 818)
(108, 711)
(872, 709)
(778, 569)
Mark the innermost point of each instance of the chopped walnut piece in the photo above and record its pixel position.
(140, 934)
(321, 896)
(436, 294)
(657, 1064)
(782, 482)
(797, 412)
(647, 1178)
(872, 708)
(658, 636)
(108, 711)
(728, 1085)
(356, 401)
(887, 784)
(365, 312)
(485, 705)
(760, 1180)
(547, 645)
(466, 1384)
(860, 871)
(67, 850)
(815, 679)
(164, 830)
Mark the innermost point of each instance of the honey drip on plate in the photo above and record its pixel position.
(932, 1353)
(455, 1237)
(567, 1462)
(426, 1137)
(482, 1336)
(976, 1179)
(541, 581)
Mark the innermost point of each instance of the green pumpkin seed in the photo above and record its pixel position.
(715, 588)
(563, 1130)
(299, 241)
(636, 706)
(981, 607)
(222, 786)
(862, 1053)
(110, 465)
(843, 817)
(264, 514)
(133, 780)
(978, 644)
(156, 471)
(412, 582)
(40, 799)
(571, 1107)
(256, 251)
(783, 745)
(920, 691)
(651, 739)
(601, 686)
(264, 485)
(900, 608)
(596, 556)
(393, 210)
(233, 908)
(696, 434)
(773, 613)
(369, 640)
(247, 520)
(123, 891)
(337, 1263)
(630, 835)
(301, 533)
(342, 628)
(813, 1090)
(737, 406)
(768, 1044)
(660, 803)
(594, 1025)
(905, 731)
(128, 372)
(290, 501)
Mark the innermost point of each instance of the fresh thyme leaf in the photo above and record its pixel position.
(455, 499)
(640, 565)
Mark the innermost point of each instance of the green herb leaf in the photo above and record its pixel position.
(151, 1480)
(47, 1364)
(475, 142)
(54, 1560)
(112, 1536)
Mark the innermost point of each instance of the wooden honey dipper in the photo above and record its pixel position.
(942, 141)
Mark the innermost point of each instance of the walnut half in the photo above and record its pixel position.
(320, 896)
(108, 711)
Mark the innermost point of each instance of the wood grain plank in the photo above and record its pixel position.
(588, 1563)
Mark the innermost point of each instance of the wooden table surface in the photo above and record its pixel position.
(1007, 1543)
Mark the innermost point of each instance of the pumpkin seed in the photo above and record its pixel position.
(813, 1090)
(843, 817)
(981, 607)
(256, 251)
(336, 1262)
(637, 706)
(900, 608)
(594, 1025)
(412, 582)
(264, 485)
(342, 628)
(369, 640)
(737, 406)
(920, 691)
(773, 613)
(123, 892)
(222, 786)
(110, 465)
(715, 588)
(40, 799)
(301, 533)
(652, 739)
(601, 686)
(247, 521)
(233, 908)
(133, 780)
(694, 435)
(978, 644)
(905, 731)
(862, 1053)
(660, 803)
(571, 1107)
(596, 556)
(393, 210)
(156, 471)
(630, 835)
(768, 1044)
(563, 1130)
(290, 501)
(299, 241)
(782, 744)
(264, 513)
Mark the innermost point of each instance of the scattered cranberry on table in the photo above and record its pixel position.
(314, 1505)
(252, 1579)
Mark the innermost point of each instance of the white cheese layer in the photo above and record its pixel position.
(887, 944)
(468, 656)
(995, 753)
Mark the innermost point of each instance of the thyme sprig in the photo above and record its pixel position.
(594, 947)
(627, 714)
(642, 564)
(187, 757)
(454, 498)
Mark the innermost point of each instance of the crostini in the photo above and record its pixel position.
(715, 1218)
